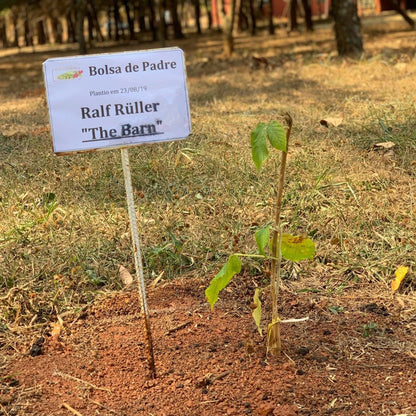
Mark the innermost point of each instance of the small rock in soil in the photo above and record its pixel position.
(319, 358)
(286, 410)
(374, 308)
(302, 351)
(36, 348)
(265, 409)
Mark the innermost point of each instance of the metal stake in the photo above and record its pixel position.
(138, 260)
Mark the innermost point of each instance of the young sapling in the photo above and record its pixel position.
(272, 243)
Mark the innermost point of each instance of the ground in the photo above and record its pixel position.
(71, 335)
(354, 359)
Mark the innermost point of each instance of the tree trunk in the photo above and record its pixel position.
(217, 13)
(242, 23)
(140, 11)
(130, 21)
(162, 23)
(90, 26)
(42, 36)
(209, 13)
(71, 36)
(252, 17)
(27, 29)
(271, 16)
(395, 4)
(293, 22)
(95, 21)
(308, 15)
(183, 13)
(80, 15)
(109, 23)
(3, 33)
(198, 16)
(116, 20)
(152, 20)
(228, 19)
(347, 28)
(176, 22)
(15, 17)
(56, 29)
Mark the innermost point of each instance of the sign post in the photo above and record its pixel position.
(109, 101)
(138, 261)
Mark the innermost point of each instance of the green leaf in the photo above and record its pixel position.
(296, 247)
(259, 150)
(257, 310)
(262, 237)
(277, 136)
(335, 309)
(221, 280)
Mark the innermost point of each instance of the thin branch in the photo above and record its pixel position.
(102, 405)
(63, 375)
(276, 260)
(273, 329)
(71, 409)
(4, 410)
(177, 328)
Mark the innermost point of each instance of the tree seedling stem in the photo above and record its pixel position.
(272, 247)
(274, 345)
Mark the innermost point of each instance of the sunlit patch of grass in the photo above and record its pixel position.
(392, 122)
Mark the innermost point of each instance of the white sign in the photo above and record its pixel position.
(117, 100)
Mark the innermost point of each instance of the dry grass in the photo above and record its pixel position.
(64, 226)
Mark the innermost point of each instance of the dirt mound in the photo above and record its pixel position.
(357, 359)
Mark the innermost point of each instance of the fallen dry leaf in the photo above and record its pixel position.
(384, 145)
(331, 121)
(56, 331)
(400, 274)
(125, 276)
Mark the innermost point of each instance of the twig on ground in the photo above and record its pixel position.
(220, 376)
(102, 405)
(4, 410)
(208, 401)
(177, 328)
(292, 360)
(58, 373)
(71, 409)
(209, 378)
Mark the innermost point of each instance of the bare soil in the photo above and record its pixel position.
(355, 360)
